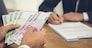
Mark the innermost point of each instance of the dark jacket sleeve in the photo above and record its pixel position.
(48, 5)
(3, 11)
(89, 12)
(90, 17)
(2, 8)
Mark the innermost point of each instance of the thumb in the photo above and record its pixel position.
(9, 27)
(43, 31)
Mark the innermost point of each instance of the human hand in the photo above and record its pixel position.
(72, 16)
(54, 19)
(34, 39)
(5, 29)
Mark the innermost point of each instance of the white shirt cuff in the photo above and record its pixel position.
(86, 18)
(24, 46)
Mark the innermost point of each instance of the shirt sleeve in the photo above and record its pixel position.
(24, 46)
(85, 15)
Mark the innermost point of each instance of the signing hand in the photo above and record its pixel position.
(54, 19)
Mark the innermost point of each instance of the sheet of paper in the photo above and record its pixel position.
(72, 31)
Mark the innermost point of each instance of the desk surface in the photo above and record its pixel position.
(54, 41)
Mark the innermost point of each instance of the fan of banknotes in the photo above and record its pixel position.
(24, 19)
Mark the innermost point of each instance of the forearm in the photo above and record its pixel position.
(2, 44)
(90, 17)
(2, 33)
(1, 38)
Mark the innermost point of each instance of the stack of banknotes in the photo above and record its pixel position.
(24, 19)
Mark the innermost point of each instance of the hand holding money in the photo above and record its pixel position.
(24, 19)
(36, 39)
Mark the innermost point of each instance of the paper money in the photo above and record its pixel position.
(34, 22)
(4, 20)
(24, 19)
(17, 17)
(10, 18)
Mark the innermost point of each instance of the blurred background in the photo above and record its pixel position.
(29, 5)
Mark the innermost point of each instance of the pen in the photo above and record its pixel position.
(57, 15)
(59, 18)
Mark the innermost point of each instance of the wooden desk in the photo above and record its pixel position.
(54, 41)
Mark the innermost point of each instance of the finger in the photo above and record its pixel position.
(55, 17)
(52, 21)
(56, 22)
(43, 31)
(30, 29)
(42, 46)
(9, 27)
(61, 19)
(44, 42)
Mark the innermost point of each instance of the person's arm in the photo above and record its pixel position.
(90, 17)
(89, 12)
(48, 5)
(33, 39)
(73, 16)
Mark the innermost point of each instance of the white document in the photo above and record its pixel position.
(72, 31)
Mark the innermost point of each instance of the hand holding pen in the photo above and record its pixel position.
(55, 19)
